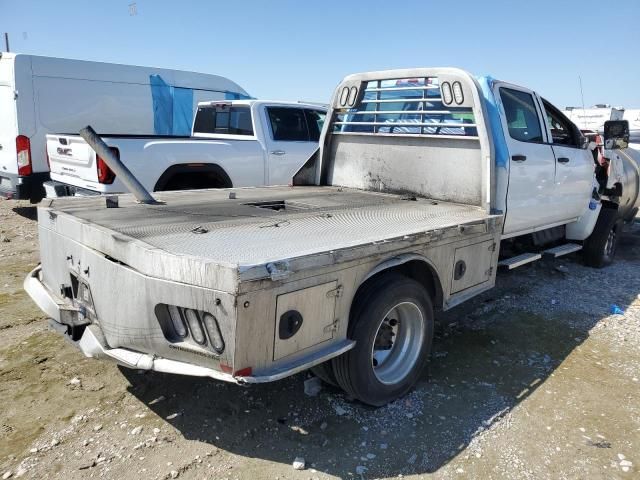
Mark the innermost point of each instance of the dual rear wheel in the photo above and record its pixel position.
(392, 324)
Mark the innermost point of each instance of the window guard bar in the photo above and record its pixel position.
(404, 100)
(398, 112)
(410, 124)
(426, 135)
(399, 89)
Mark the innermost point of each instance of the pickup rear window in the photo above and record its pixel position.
(223, 119)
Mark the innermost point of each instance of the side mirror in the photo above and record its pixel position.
(616, 134)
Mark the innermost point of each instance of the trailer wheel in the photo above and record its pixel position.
(392, 324)
(600, 247)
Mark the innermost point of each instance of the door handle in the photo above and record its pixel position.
(277, 152)
(563, 160)
(519, 158)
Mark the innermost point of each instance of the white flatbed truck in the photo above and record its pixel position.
(420, 175)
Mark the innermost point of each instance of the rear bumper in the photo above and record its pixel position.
(55, 189)
(23, 188)
(66, 319)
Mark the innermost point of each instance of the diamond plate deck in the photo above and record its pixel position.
(210, 225)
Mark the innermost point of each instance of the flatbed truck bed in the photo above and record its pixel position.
(245, 230)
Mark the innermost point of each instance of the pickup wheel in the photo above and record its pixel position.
(392, 324)
(600, 247)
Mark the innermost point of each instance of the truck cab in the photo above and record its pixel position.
(550, 170)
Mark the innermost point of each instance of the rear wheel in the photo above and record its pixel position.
(600, 247)
(392, 324)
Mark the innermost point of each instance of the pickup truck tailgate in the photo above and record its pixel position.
(71, 160)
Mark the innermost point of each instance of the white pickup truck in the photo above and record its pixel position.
(421, 176)
(235, 143)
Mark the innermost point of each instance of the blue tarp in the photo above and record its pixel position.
(162, 96)
(495, 124)
(182, 111)
(173, 107)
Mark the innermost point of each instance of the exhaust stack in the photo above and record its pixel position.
(119, 168)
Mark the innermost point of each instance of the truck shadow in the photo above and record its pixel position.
(490, 355)
(30, 213)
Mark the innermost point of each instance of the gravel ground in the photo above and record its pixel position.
(534, 379)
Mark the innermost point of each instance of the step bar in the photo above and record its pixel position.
(524, 258)
(518, 260)
(561, 250)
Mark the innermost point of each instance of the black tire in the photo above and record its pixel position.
(324, 372)
(354, 370)
(600, 247)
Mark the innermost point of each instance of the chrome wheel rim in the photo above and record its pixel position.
(398, 343)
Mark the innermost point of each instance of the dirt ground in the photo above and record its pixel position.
(534, 379)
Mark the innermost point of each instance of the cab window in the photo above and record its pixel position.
(288, 124)
(315, 120)
(562, 130)
(522, 118)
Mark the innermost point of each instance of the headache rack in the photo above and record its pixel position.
(421, 106)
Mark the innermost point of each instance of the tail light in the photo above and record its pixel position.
(105, 174)
(23, 153)
(177, 321)
(180, 324)
(195, 327)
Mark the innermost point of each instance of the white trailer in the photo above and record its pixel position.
(40, 95)
(593, 118)
(632, 115)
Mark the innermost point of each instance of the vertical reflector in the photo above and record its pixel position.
(194, 325)
(176, 320)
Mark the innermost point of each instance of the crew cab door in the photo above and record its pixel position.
(574, 164)
(292, 135)
(530, 195)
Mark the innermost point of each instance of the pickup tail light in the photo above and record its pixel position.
(23, 154)
(105, 174)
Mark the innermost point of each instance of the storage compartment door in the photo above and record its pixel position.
(304, 318)
(472, 265)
